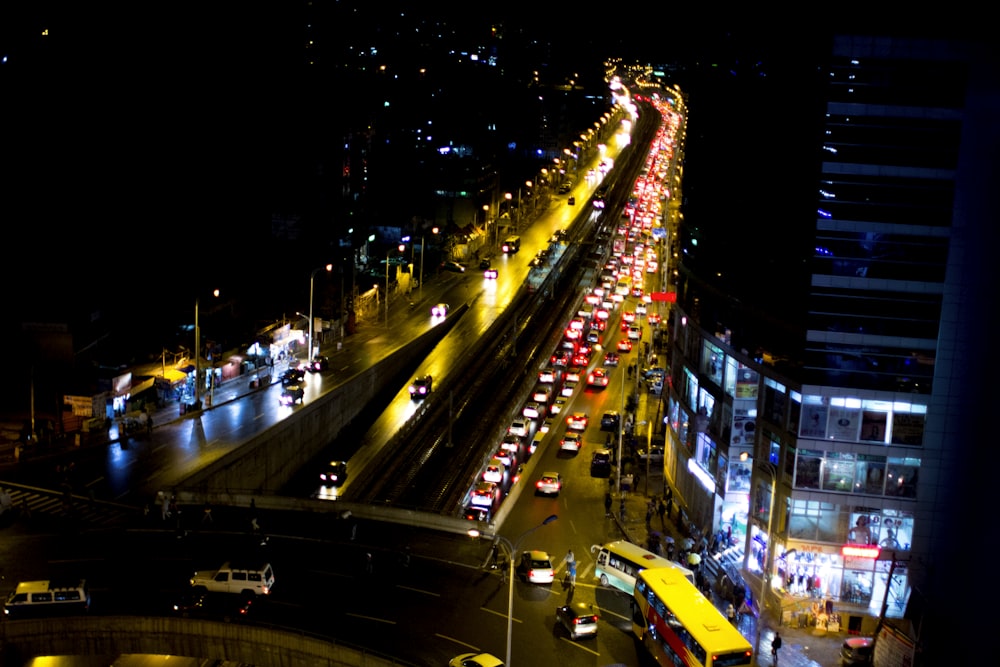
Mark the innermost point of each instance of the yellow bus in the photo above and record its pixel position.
(680, 626)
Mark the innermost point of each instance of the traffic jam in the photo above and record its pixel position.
(607, 332)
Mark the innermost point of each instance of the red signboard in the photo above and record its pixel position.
(669, 297)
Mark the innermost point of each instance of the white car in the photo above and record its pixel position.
(532, 410)
(536, 567)
(571, 442)
(549, 484)
(558, 405)
(439, 310)
(519, 427)
(494, 471)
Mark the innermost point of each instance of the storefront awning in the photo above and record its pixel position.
(173, 376)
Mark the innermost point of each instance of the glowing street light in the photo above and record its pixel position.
(312, 276)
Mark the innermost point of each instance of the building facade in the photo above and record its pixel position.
(842, 463)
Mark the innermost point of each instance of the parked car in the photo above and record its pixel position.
(600, 463)
(453, 266)
(610, 421)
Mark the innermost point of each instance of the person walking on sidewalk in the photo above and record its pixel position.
(607, 504)
(775, 646)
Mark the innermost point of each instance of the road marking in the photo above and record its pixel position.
(501, 615)
(372, 618)
(459, 642)
(581, 646)
(417, 590)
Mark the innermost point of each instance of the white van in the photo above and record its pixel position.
(246, 579)
(47, 597)
(619, 562)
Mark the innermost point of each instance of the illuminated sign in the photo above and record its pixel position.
(860, 551)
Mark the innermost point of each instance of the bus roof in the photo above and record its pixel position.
(703, 621)
(646, 558)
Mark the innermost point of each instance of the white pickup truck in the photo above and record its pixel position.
(243, 578)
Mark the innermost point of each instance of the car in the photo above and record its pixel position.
(549, 484)
(542, 394)
(611, 359)
(511, 443)
(571, 441)
(558, 405)
(577, 421)
(597, 378)
(494, 471)
(453, 266)
(477, 513)
(655, 458)
(624, 345)
(535, 567)
(857, 651)
(532, 410)
(506, 456)
(628, 316)
(519, 427)
(653, 318)
(318, 363)
(594, 336)
(225, 607)
(571, 201)
(569, 386)
(600, 463)
(547, 375)
(561, 358)
(573, 374)
(640, 308)
(635, 332)
(475, 660)
(581, 359)
(422, 386)
(564, 188)
(610, 421)
(546, 426)
(293, 376)
(578, 619)
(291, 394)
(491, 274)
(334, 474)
(485, 263)
(485, 494)
(439, 310)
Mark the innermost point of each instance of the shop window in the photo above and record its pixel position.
(775, 402)
(712, 362)
(908, 426)
(874, 421)
(814, 417)
(844, 422)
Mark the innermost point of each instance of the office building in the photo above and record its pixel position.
(829, 418)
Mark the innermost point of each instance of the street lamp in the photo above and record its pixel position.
(401, 248)
(507, 196)
(197, 352)
(766, 569)
(312, 276)
(511, 549)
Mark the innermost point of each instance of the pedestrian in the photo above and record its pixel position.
(731, 613)
(165, 508)
(369, 565)
(354, 530)
(569, 560)
(206, 514)
(607, 504)
(571, 574)
(254, 526)
(649, 515)
(405, 559)
(670, 550)
(775, 645)
(621, 509)
(493, 556)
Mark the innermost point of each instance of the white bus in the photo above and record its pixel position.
(47, 598)
(620, 562)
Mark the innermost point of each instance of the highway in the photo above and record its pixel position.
(323, 586)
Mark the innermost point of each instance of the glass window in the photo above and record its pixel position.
(794, 411)
(775, 402)
(814, 416)
(907, 428)
(807, 468)
(874, 421)
(844, 422)
(870, 475)
(712, 361)
(838, 472)
(901, 477)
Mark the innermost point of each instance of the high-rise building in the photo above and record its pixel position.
(833, 421)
